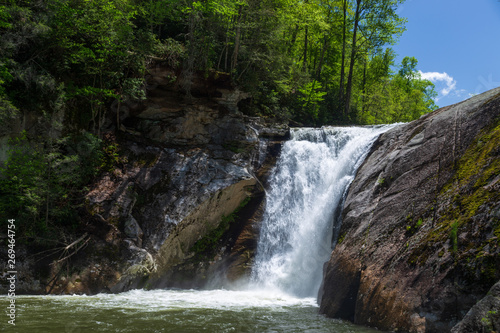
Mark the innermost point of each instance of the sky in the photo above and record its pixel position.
(456, 43)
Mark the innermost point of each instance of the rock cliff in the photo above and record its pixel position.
(181, 199)
(190, 184)
(419, 243)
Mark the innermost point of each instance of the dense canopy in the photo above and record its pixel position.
(315, 61)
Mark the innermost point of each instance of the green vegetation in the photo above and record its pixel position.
(341, 238)
(454, 237)
(413, 228)
(43, 183)
(314, 61)
(209, 243)
(488, 321)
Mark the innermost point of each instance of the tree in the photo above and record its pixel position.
(379, 24)
(394, 98)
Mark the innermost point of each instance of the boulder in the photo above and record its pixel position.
(186, 167)
(419, 243)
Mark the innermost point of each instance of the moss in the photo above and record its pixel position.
(469, 194)
(210, 242)
(453, 237)
(413, 227)
(144, 160)
(341, 238)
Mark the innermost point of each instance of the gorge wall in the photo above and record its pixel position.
(419, 243)
(180, 201)
(185, 197)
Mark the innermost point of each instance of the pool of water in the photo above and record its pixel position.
(172, 311)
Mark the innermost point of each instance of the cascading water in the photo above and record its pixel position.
(308, 184)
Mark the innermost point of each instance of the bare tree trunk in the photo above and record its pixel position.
(321, 58)
(189, 68)
(342, 64)
(118, 115)
(364, 85)
(47, 199)
(234, 62)
(353, 59)
(304, 64)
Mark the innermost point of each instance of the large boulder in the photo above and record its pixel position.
(419, 244)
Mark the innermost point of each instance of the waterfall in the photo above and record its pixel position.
(308, 184)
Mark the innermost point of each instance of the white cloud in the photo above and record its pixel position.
(434, 77)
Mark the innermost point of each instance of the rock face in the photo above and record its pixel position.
(419, 244)
(186, 168)
(484, 316)
(179, 204)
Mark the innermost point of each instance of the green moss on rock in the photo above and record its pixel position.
(471, 192)
(210, 242)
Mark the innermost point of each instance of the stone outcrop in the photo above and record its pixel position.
(484, 316)
(419, 243)
(185, 167)
(178, 204)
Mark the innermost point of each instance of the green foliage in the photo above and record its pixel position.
(66, 61)
(390, 98)
(310, 96)
(298, 59)
(41, 184)
(488, 321)
(341, 238)
(413, 228)
(71, 55)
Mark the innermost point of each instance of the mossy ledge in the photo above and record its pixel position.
(473, 190)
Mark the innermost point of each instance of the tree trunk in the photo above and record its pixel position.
(353, 59)
(304, 64)
(321, 58)
(364, 85)
(187, 76)
(47, 198)
(234, 62)
(294, 38)
(342, 64)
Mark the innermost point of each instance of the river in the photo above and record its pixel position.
(172, 311)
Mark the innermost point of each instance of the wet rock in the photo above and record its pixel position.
(484, 316)
(416, 222)
(133, 230)
(187, 166)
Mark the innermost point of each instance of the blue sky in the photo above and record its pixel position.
(456, 43)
